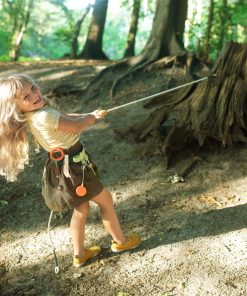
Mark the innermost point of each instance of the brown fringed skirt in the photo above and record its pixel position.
(59, 191)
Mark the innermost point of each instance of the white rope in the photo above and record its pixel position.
(158, 94)
(53, 248)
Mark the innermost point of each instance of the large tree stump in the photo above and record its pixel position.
(212, 109)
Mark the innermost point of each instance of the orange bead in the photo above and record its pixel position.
(81, 191)
(57, 150)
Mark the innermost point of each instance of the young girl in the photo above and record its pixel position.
(69, 179)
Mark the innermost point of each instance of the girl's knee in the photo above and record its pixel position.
(108, 196)
(103, 199)
(82, 208)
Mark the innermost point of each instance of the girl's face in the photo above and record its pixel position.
(30, 99)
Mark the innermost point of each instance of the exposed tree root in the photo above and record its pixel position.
(106, 70)
(128, 73)
(94, 86)
(187, 61)
(109, 77)
(186, 170)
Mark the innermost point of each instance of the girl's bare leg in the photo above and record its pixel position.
(77, 227)
(109, 216)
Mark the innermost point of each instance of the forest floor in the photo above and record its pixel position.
(194, 232)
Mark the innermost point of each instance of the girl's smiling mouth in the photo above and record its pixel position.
(37, 101)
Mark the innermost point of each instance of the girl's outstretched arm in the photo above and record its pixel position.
(78, 123)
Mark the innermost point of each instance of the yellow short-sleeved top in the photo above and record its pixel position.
(43, 124)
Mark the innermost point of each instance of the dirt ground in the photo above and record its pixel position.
(194, 232)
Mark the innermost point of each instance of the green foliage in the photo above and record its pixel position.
(4, 58)
(5, 31)
(4, 41)
(239, 20)
(64, 34)
(116, 28)
(48, 46)
(227, 21)
(112, 44)
(52, 24)
(230, 22)
(144, 24)
(3, 203)
(48, 33)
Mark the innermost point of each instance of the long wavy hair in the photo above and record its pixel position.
(14, 146)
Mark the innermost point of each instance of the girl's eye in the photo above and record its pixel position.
(34, 87)
(26, 98)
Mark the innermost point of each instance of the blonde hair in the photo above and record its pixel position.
(14, 146)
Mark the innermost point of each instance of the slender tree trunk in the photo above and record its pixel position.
(130, 47)
(192, 22)
(209, 25)
(74, 44)
(19, 32)
(93, 46)
(224, 23)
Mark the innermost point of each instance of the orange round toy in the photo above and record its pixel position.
(57, 150)
(81, 191)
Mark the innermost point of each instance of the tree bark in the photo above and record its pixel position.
(224, 19)
(208, 31)
(93, 46)
(166, 37)
(130, 47)
(213, 109)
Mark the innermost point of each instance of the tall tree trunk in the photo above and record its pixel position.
(74, 44)
(209, 25)
(166, 37)
(20, 29)
(130, 47)
(93, 46)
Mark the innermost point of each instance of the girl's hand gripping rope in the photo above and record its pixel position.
(99, 114)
